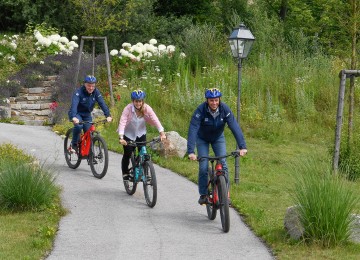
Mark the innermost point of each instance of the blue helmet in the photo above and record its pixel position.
(212, 93)
(89, 79)
(138, 94)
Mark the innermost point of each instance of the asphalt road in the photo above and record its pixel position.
(105, 223)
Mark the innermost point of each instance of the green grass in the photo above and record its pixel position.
(30, 207)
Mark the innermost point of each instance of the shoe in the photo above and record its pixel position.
(202, 200)
(73, 149)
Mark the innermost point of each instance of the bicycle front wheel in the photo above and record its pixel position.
(150, 184)
(210, 205)
(131, 184)
(73, 160)
(223, 204)
(99, 157)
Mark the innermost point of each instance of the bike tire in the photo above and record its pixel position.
(73, 160)
(99, 157)
(210, 206)
(150, 184)
(130, 185)
(223, 203)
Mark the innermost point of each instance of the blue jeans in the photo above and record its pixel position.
(77, 128)
(219, 148)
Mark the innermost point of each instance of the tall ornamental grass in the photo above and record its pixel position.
(325, 201)
(24, 185)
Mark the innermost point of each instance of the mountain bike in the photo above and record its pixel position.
(141, 169)
(91, 147)
(217, 197)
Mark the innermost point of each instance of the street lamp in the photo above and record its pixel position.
(241, 39)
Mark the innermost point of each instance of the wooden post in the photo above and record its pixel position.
(93, 38)
(339, 120)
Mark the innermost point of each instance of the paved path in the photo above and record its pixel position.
(105, 223)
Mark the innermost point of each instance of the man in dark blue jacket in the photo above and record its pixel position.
(82, 104)
(207, 127)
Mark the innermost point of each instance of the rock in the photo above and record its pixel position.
(173, 145)
(292, 223)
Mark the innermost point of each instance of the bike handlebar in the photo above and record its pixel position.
(214, 158)
(133, 143)
(103, 121)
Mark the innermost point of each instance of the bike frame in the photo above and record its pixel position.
(85, 141)
(140, 157)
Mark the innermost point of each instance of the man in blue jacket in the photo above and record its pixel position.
(82, 104)
(207, 127)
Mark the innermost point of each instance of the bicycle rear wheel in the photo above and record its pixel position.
(99, 157)
(73, 160)
(223, 203)
(210, 206)
(131, 184)
(150, 184)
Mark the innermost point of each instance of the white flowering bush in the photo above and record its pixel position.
(144, 59)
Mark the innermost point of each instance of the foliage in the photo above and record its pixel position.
(23, 184)
(326, 203)
(349, 158)
(203, 45)
(24, 187)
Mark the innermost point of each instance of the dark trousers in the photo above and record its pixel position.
(127, 152)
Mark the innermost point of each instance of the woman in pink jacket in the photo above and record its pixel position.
(132, 126)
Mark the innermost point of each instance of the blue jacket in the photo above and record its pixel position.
(83, 103)
(208, 128)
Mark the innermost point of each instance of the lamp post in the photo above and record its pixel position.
(241, 39)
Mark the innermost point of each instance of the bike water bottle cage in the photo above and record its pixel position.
(212, 93)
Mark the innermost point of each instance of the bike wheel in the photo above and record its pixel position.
(131, 184)
(99, 157)
(73, 160)
(150, 184)
(210, 206)
(223, 203)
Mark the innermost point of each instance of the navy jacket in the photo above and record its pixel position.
(83, 103)
(208, 128)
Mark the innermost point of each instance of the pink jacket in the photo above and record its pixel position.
(149, 116)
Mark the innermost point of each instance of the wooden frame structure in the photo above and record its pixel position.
(93, 38)
(344, 74)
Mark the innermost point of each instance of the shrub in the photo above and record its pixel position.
(325, 203)
(24, 187)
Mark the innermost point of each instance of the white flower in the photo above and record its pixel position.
(41, 62)
(170, 48)
(114, 52)
(126, 45)
(124, 53)
(8, 81)
(153, 41)
(162, 48)
(54, 37)
(74, 38)
(13, 45)
(178, 74)
(63, 40)
(160, 80)
(182, 55)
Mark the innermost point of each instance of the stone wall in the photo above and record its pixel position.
(33, 105)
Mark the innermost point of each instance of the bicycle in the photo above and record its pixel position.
(141, 169)
(91, 147)
(217, 197)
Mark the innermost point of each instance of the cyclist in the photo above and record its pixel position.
(82, 104)
(132, 126)
(207, 127)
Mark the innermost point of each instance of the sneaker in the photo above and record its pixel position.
(73, 149)
(202, 200)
